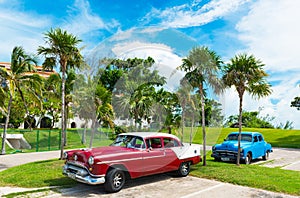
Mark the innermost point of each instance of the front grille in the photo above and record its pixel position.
(76, 169)
(227, 153)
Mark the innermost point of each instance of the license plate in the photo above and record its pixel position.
(225, 159)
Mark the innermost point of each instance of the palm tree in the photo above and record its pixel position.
(202, 66)
(2, 95)
(184, 94)
(15, 78)
(296, 103)
(63, 50)
(246, 73)
(52, 95)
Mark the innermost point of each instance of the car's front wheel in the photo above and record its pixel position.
(114, 180)
(248, 158)
(266, 156)
(184, 169)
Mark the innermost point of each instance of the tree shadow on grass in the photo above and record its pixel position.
(291, 141)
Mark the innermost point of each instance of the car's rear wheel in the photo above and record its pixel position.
(266, 156)
(248, 158)
(184, 169)
(114, 180)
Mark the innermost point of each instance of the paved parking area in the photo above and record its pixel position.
(166, 186)
(285, 158)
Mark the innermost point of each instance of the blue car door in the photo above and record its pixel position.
(258, 147)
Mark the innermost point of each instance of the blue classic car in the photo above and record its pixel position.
(253, 146)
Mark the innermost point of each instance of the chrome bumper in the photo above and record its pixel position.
(81, 175)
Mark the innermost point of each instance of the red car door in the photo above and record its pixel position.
(171, 158)
(154, 156)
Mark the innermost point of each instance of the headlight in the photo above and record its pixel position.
(65, 155)
(91, 160)
(214, 148)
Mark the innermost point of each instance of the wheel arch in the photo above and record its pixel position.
(120, 167)
(249, 152)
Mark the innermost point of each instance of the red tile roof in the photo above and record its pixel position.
(39, 70)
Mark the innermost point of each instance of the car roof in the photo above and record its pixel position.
(246, 132)
(150, 134)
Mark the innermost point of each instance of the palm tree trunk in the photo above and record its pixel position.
(65, 121)
(240, 130)
(203, 127)
(26, 109)
(183, 124)
(83, 139)
(6, 125)
(192, 127)
(92, 132)
(63, 130)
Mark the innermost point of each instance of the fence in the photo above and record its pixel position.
(47, 140)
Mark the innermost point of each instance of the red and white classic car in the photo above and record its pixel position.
(132, 155)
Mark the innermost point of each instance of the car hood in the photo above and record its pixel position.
(83, 155)
(231, 145)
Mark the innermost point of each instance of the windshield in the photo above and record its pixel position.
(129, 141)
(245, 137)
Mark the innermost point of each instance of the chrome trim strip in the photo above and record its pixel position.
(131, 159)
(112, 161)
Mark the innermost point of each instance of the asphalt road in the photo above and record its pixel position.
(159, 185)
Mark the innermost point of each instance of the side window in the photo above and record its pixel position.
(135, 142)
(260, 138)
(255, 139)
(169, 142)
(155, 142)
(139, 143)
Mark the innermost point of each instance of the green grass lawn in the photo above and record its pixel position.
(276, 137)
(271, 179)
(35, 174)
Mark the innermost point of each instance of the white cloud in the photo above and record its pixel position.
(82, 20)
(20, 29)
(270, 33)
(193, 15)
(166, 61)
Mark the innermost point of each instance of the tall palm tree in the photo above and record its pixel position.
(52, 96)
(2, 95)
(62, 49)
(246, 73)
(202, 66)
(15, 78)
(184, 94)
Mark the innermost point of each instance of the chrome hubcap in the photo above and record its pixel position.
(184, 168)
(118, 179)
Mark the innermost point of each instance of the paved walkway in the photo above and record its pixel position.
(10, 160)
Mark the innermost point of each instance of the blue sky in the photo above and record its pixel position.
(167, 30)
